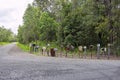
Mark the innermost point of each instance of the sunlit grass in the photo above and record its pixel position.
(23, 47)
(4, 43)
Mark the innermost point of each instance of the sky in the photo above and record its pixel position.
(11, 13)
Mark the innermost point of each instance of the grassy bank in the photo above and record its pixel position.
(23, 47)
(4, 43)
(75, 52)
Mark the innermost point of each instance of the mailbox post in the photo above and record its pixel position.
(80, 48)
(91, 49)
(85, 51)
(98, 51)
(48, 45)
(109, 50)
(61, 50)
(30, 47)
(67, 50)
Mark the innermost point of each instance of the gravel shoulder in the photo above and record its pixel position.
(18, 65)
(15, 50)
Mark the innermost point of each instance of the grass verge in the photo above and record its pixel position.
(23, 47)
(4, 43)
(26, 48)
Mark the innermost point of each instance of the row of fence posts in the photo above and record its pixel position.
(52, 51)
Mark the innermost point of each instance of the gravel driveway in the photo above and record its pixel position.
(18, 65)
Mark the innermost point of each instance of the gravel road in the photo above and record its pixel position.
(18, 65)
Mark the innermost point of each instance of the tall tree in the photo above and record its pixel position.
(48, 27)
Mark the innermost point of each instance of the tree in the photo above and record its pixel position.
(78, 22)
(6, 35)
(48, 27)
(30, 29)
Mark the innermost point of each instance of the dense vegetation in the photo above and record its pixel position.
(76, 22)
(6, 35)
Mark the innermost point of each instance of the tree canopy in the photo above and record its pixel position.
(76, 22)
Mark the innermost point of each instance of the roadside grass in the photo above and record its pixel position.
(4, 43)
(23, 47)
(75, 52)
(61, 51)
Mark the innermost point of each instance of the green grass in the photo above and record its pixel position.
(53, 45)
(4, 43)
(23, 47)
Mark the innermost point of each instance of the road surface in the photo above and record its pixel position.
(17, 65)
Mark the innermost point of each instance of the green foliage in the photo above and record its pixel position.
(29, 31)
(4, 43)
(76, 22)
(37, 26)
(48, 27)
(6, 35)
